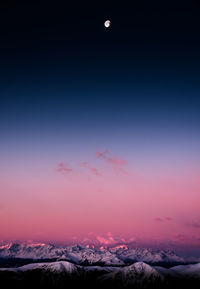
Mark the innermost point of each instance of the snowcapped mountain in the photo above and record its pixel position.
(62, 274)
(192, 270)
(28, 251)
(132, 271)
(138, 272)
(118, 256)
(59, 266)
(148, 255)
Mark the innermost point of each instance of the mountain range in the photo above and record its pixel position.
(30, 265)
(60, 274)
(90, 255)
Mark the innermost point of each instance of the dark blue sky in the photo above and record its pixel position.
(149, 56)
(60, 68)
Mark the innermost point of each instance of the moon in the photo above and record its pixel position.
(107, 23)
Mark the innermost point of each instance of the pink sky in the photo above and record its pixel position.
(66, 201)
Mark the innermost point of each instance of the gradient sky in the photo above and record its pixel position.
(100, 128)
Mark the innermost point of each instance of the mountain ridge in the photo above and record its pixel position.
(79, 254)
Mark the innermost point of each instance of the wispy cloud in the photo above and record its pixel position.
(93, 170)
(158, 219)
(187, 238)
(195, 225)
(168, 219)
(181, 237)
(107, 239)
(63, 168)
(116, 162)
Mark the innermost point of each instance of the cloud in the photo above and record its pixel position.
(63, 168)
(132, 239)
(181, 237)
(93, 170)
(187, 238)
(193, 225)
(158, 219)
(109, 239)
(117, 163)
(103, 154)
(168, 219)
(106, 240)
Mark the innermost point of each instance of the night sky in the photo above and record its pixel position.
(100, 120)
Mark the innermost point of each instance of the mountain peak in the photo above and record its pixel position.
(118, 255)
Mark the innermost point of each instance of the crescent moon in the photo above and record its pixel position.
(107, 23)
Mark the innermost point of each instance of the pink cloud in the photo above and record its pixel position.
(117, 163)
(109, 239)
(188, 239)
(63, 168)
(93, 170)
(194, 225)
(106, 240)
(168, 219)
(132, 239)
(158, 219)
(103, 154)
(181, 237)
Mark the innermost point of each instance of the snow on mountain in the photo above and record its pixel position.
(140, 268)
(78, 254)
(127, 275)
(29, 251)
(138, 272)
(148, 256)
(192, 270)
(59, 266)
(142, 273)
